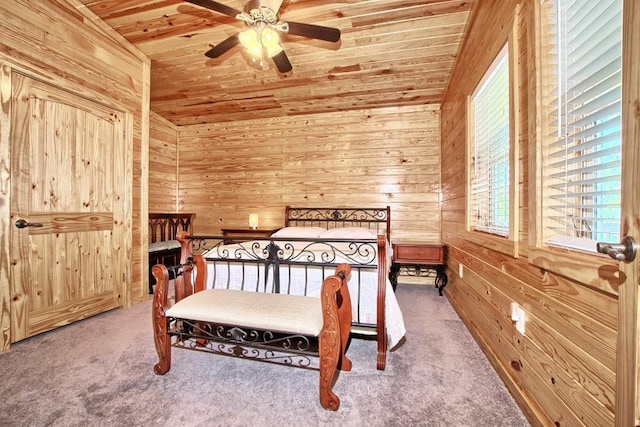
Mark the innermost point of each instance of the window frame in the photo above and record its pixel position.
(597, 270)
(504, 244)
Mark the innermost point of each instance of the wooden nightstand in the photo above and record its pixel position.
(244, 234)
(418, 259)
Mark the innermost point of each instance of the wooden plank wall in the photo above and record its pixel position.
(163, 165)
(562, 371)
(63, 44)
(369, 158)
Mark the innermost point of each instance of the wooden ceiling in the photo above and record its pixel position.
(392, 53)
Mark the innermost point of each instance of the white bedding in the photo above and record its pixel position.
(164, 245)
(364, 298)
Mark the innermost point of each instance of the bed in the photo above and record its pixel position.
(164, 248)
(296, 259)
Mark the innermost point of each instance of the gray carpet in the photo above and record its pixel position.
(100, 372)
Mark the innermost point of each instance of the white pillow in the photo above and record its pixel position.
(300, 232)
(349, 233)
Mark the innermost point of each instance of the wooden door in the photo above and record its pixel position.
(67, 180)
(628, 353)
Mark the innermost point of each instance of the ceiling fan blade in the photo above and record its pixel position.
(223, 46)
(313, 31)
(215, 6)
(282, 62)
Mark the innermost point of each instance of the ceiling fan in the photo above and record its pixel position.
(261, 37)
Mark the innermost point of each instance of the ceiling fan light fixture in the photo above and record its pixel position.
(256, 40)
(271, 42)
(251, 41)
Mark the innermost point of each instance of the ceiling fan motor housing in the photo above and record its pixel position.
(272, 5)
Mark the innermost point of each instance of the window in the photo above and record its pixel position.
(489, 180)
(582, 148)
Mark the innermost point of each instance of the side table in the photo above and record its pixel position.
(418, 259)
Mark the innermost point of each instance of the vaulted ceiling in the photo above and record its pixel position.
(391, 53)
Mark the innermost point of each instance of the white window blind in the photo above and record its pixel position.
(582, 179)
(490, 179)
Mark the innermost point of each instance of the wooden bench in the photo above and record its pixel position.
(276, 328)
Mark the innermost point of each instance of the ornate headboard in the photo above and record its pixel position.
(378, 219)
(165, 226)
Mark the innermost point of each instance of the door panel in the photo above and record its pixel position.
(628, 353)
(66, 173)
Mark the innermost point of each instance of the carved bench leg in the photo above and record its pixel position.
(329, 354)
(336, 315)
(329, 343)
(160, 336)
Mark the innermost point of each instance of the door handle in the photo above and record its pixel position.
(22, 223)
(623, 251)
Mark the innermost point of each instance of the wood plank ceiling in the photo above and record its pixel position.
(392, 53)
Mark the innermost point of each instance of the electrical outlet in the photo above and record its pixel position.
(460, 270)
(517, 317)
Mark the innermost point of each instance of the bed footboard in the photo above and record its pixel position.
(296, 267)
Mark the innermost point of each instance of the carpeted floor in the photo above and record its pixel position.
(100, 372)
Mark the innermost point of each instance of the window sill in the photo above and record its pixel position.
(573, 243)
(493, 242)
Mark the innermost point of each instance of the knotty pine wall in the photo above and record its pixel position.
(65, 45)
(371, 158)
(163, 165)
(562, 371)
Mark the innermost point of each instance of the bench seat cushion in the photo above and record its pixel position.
(272, 312)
